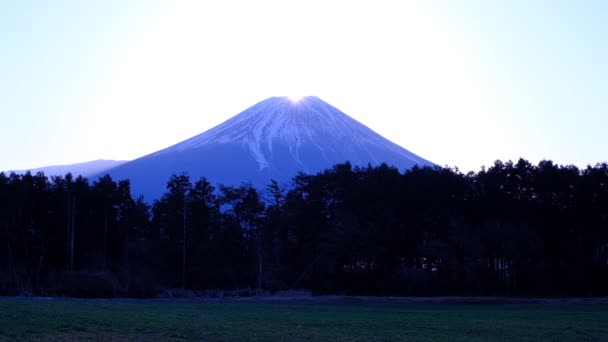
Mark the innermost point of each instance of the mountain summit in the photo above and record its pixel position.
(274, 139)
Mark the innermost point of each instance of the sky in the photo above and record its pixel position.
(460, 83)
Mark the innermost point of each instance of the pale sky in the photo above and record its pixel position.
(460, 83)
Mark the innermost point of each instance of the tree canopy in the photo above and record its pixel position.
(511, 229)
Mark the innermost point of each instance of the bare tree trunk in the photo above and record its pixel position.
(73, 219)
(11, 260)
(277, 251)
(105, 239)
(260, 270)
(69, 230)
(184, 246)
(38, 273)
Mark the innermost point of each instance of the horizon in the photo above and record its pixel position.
(294, 100)
(460, 85)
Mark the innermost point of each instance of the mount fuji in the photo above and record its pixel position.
(273, 139)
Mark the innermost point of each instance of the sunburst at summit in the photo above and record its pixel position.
(295, 99)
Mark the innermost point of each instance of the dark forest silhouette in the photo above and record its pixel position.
(514, 229)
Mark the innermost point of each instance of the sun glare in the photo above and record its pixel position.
(295, 99)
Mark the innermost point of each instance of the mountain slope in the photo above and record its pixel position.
(85, 169)
(275, 138)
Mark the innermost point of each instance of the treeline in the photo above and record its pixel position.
(514, 229)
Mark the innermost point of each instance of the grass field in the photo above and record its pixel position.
(315, 319)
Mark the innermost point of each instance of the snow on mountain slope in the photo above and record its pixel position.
(273, 139)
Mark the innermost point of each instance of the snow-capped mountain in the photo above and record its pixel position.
(274, 139)
(85, 169)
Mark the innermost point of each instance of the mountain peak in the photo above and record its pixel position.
(275, 138)
(298, 126)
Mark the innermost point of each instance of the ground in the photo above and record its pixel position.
(306, 319)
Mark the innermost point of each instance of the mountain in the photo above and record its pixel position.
(86, 169)
(274, 139)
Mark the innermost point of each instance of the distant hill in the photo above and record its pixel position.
(274, 139)
(86, 169)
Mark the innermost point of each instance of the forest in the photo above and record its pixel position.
(512, 229)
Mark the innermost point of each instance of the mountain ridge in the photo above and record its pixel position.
(275, 138)
(86, 169)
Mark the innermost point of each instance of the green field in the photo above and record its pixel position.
(315, 319)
